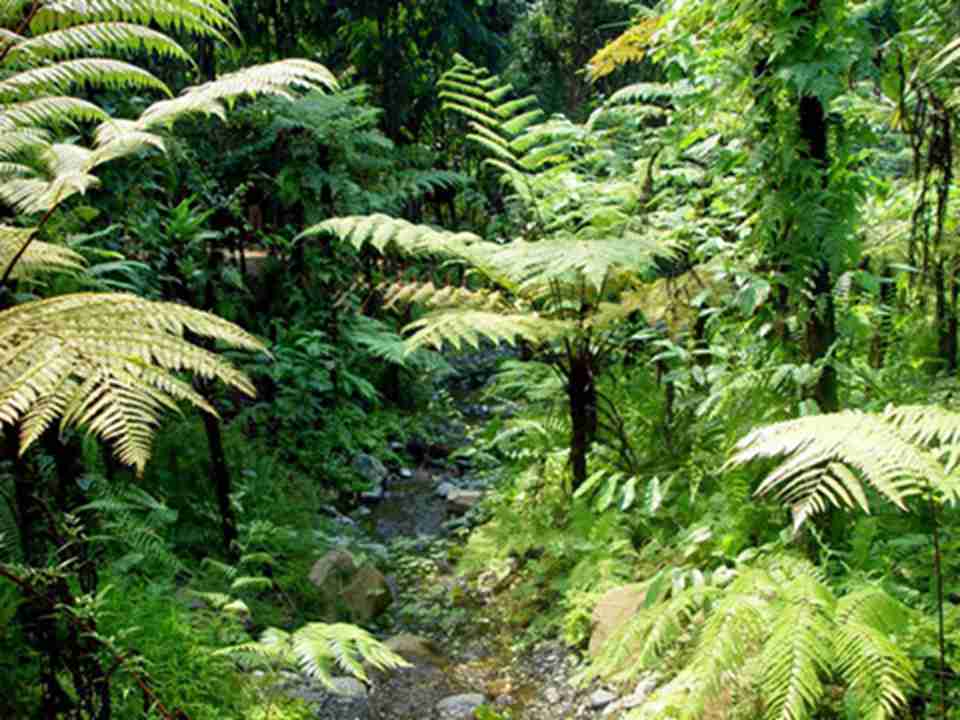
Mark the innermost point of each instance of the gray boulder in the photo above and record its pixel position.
(459, 707)
(460, 501)
(373, 471)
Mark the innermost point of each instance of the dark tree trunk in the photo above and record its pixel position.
(821, 328)
(29, 512)
(881, 335)
(946, 315)
(951, 345)
(219, 469)
(207, 58)
(582, 393)
(220, 473)
(821, 334)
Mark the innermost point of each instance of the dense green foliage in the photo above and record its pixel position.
(722, 236)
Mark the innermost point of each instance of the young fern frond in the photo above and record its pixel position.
(631, 46)
(446, 296)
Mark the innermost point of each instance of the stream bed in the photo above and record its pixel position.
(463, 659)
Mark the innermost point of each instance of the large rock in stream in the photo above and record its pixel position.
(357, 593)
(613, 611)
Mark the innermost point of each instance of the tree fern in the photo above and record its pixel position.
(104, 362)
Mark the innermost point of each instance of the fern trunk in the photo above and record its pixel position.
(582, 393)
(220, 473)
(946, 291)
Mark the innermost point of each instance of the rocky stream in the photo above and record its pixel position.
(463, 660)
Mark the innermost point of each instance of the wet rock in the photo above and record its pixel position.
(423, 450)
(359, 593)
(415, 649)
(460, 501)
(613, 611)
(459, 707)
(410, 693)
(367, 596)
(349, 687)
(331, 574)
(346, 700)
(444, 489)
(599, 699)
(374, 472)
(639, 696)
(369, 468)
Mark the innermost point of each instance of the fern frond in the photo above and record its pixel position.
(38, 256)
(318, 649)
(463, 326)
(799, 652)
(445, 296)
(103, 362)
(72, 74)
(51, 110)
(202, 17)
(828, 457)
(94, 38)
(630, 47)
(382, 231)
(277, 78)
(536, 264)
(878, 671)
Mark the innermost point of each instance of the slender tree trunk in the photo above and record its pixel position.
(27, 507)
(881, 335)
(821, 334)
(207, 58)
(946, 315)
(951, 344)
(219, 469)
